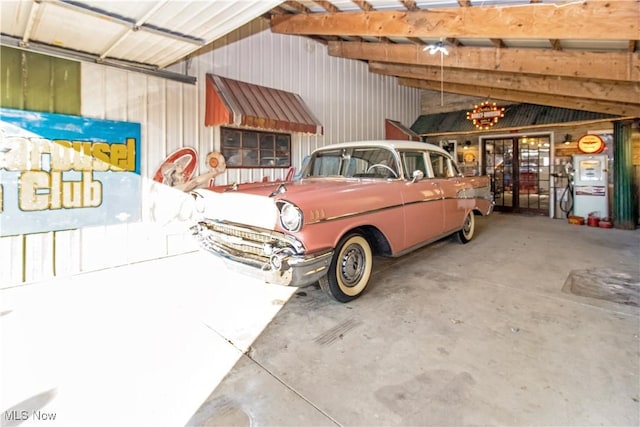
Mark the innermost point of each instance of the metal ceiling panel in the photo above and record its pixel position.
(312, 6)
(476, 42)
(527, 43)
(149, 33)
(596, 45)
(386, 4)
(88, 33)
(14, 16)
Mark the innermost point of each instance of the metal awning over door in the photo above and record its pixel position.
(233, 102)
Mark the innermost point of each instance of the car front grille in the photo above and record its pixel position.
(244, 241)
(245, 234)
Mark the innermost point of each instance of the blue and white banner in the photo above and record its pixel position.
(60, 172)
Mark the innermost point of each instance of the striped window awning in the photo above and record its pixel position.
(233, 102)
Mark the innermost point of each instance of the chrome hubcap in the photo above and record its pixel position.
(353, 265)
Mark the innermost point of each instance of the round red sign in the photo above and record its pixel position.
(591, 144)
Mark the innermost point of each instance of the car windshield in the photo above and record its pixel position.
(357, 162)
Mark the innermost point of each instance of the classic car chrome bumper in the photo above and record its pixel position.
(492, 205)
(263, 254)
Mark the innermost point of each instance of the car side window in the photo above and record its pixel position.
(373, 162)
(441, 166)
(412, 161)
(326, 163)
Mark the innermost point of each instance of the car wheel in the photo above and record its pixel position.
(350, 268)
(468, 228)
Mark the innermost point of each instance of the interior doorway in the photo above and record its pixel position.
(519, 168)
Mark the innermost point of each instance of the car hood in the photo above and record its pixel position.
(318, 198)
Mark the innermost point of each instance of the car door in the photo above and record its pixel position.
(422, 199)
(451, 185)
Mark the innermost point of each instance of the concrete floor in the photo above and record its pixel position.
(487, 333)
(140, 345)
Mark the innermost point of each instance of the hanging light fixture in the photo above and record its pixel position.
(439, 47)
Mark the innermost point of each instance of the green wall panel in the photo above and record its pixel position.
(66, 90)
(32, 81)
(38, 94)
(11, 92)
(623, 194)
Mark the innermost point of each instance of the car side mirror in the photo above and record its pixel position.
(417, 175)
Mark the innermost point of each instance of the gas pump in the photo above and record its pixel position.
(564, 193)
(590, 185)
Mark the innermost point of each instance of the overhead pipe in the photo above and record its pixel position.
(75, 55)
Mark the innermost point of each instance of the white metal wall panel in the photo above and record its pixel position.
(38, 248)
(11, 258)
(350, 102)
(67, 252)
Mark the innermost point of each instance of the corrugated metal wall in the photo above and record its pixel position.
(350, 102)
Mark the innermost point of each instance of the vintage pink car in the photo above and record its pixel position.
(352, 201)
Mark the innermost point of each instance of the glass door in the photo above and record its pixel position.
(534, 174)
(519, 169)
(499, 158)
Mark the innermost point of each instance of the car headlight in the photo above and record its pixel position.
(290, 216)
(199, 202)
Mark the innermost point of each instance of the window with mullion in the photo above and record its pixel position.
(252, 149)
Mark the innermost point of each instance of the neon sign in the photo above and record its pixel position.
(485, 115)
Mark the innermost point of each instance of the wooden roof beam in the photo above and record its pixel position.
(364, 5)
(623, 92)
(575, 103)
(620, 66)
(296, 6)
(585, 20)
(327, 5)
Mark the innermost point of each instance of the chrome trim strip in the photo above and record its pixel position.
(372, 211)
(354, 214)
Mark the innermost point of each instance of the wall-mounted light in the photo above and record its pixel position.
(567, 139)
(467, 144)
